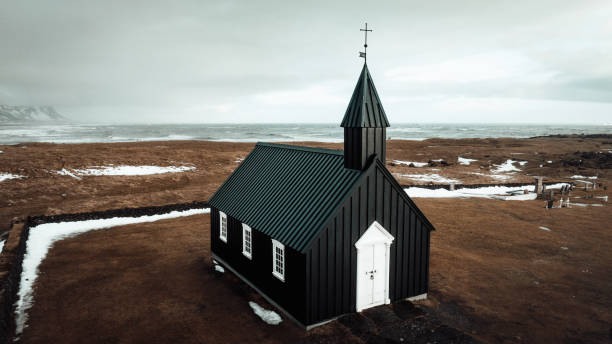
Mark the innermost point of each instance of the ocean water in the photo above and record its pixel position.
(12, 133)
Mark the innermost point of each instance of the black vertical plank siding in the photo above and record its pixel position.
(353, 251)
(387, 204)
(411, 252)
(331, 269)
(363, 147)
(398, 248)
(333, 284)
(379, 198)
(407, 251)
(361, 143)
(383, 144)
(308, 299)
(363, 214)
(323, 275)
(290, 294)
(346, 258)
(427, 263)
(423, 278)
(393, 249)
(338, 231)
(371, 185)
(372, 147)
(417, 254)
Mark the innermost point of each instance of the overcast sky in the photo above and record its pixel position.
(297, 61)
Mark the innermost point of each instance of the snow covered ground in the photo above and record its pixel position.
(414, 163)
(494, 176)
(123, 170)
(507, 166)
(583, 177)
(269, 317)
(506, 193)
(506, 170)
(465, 161)
(7, 176)
(431, 177)
(42, 237)
(587, 204)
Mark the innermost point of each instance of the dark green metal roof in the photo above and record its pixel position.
(286, 192)
(365, 109)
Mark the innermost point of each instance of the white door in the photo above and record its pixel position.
(373, 267)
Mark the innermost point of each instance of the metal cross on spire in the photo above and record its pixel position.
(365, 45)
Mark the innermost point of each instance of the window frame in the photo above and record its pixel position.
(278, 274)
(223, 216)
(246, 229)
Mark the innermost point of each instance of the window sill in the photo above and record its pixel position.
(279, 276)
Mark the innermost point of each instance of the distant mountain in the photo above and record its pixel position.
(10, 113)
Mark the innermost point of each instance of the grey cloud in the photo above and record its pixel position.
(112, 57)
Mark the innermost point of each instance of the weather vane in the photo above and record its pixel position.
(365, 45)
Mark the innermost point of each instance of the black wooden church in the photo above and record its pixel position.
(322, 232)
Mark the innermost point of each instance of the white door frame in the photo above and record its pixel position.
(375, 234)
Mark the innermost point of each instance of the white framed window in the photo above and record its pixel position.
(278, 260)
(222, 226)
(247, 241)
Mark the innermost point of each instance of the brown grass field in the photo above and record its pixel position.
(494, 273)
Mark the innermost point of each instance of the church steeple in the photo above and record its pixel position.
(364, 124)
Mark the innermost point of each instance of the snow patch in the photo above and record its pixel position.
(42, 237)
(582, 177)
(494, 176)
(7, 176)
(269, 317)
(545, 228)
(505, 193)
(500, 176)
(433, 177)
(219, 268)
(2, 245)
(414, 163)
(465, 161)
(65, 172)
(124, 170)
(587, 204)
(507, 166)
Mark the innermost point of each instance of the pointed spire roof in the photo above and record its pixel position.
(365, 109)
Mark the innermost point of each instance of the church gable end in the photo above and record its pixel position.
(331, 256)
